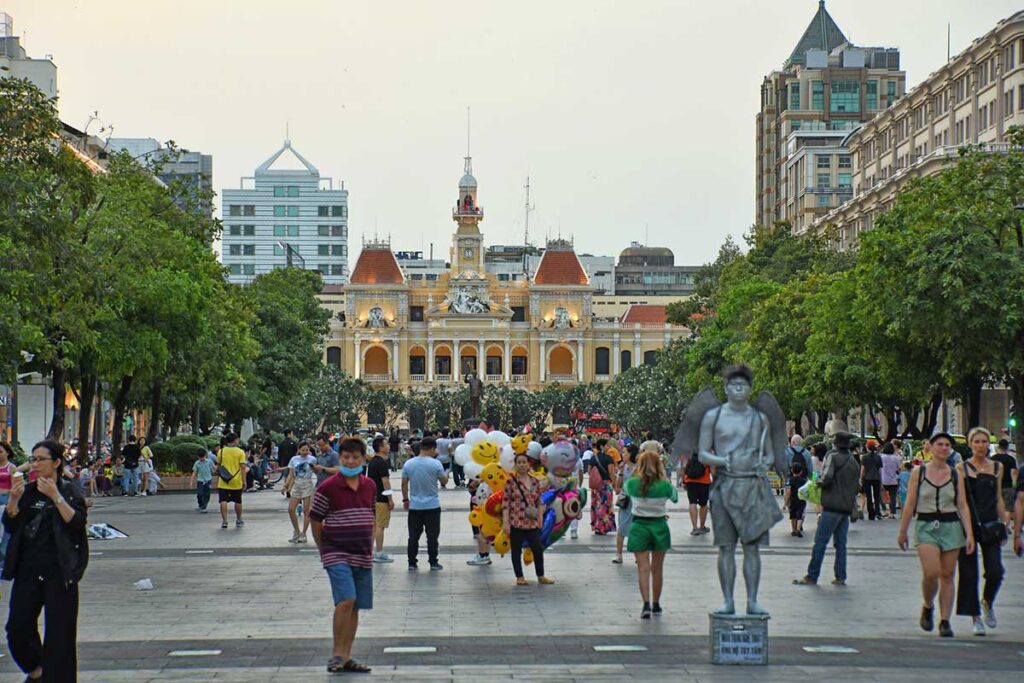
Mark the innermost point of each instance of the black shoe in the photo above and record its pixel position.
(413, 566)
(927, 618)
(800, 534)
(646, 612)
(945, 630)
(435, 566)
(657, 608)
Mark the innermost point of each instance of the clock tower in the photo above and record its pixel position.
(468, 243)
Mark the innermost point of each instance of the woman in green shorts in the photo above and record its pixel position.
(942, 527)
(649, 491)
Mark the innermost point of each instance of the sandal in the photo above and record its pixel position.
(521, 581)
(545, 581)
(352, 666)
(805, 581)
(335, 664)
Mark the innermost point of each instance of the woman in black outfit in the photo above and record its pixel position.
(46, 558)
(982, 477)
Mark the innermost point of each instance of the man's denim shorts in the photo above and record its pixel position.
(351, 583)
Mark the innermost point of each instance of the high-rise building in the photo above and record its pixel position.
(286, 215)
(193, 169)
(825, 88)
(14, 63)
(973, 99)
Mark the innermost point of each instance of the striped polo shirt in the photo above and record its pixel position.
(347, 518)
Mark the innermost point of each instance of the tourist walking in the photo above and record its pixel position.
(131, 454)
(421, 476)
(982, 478)
(601, 473)
(871, 478)
(522, 516)
(327, 460)
(839, 482)
(7, 470)
(342, 518)
(797, 506)
(145, 466)
(231, 470)
(1010, 474)
(202, 479)
(46, 557)
(624, 515)
(796, 452)
(300, 486)
(891, 477)
(649, 491)
(287, 449)
(379, 470)
(935, 494)
(697, 481)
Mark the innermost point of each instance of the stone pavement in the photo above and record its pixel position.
(264, 604)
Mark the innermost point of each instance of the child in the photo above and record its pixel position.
(87, 482)
(796, 506)
(483, 548)
(117, 478)
(908, 467)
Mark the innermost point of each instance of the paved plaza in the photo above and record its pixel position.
(263, 606)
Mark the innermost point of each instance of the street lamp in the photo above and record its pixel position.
(290, 251)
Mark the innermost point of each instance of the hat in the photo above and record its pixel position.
(842, 440)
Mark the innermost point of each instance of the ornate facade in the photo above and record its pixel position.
(528, 333)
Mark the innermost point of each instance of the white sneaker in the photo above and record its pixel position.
(143, 493)
(478, 561)
(617, 559)
(989, 614)
(573, 533)
(979, 627)
(382, 558)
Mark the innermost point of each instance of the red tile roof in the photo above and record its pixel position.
(560, 268)
(644, 313)
(376, 267)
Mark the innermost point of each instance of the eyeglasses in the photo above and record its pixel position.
(38, 459)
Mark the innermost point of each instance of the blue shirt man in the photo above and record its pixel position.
(420, 477)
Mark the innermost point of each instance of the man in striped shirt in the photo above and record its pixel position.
(342, 517)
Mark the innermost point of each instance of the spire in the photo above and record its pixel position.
(821, 34)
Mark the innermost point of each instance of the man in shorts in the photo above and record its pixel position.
(698, 489)
(379, 471)
(342, 518)
(231, 463)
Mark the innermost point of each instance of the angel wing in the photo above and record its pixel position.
(688, 433)
(766, 403)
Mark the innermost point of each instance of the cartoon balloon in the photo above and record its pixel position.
(493, 504)
(521, 442)
(501, 543)
(483, 492)
(475, 436)
(472, 469)
(507, 458)
(494, 476)
(499, 438)
(560, 458)
(490, 526)
(527, 555)
(462, 454)
(477, 516)
(485, 453)
(533, 450)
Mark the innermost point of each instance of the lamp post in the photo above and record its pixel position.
(290, 251)
(26, 357)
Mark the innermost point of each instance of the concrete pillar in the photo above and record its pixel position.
(616, 359)
(359, 359)
(579, 360)
(543, 360)
(430, 360)
(394, 360)
(506, 362)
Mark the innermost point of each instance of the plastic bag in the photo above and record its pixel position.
(143, 585)
(810, 492)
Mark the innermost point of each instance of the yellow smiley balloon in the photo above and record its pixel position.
(484, 453)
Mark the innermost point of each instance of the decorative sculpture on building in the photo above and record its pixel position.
(461, 300)
(742, 439)
(375, 318)
(561, 321)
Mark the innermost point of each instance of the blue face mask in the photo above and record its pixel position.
(351, 471)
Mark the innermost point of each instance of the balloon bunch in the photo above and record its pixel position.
(490, 457)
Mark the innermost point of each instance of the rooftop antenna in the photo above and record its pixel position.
(467, 132)
(287, 134)
(529, 208)
(646, 241)
(948, 41)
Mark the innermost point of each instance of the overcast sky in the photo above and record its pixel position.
(634, 119)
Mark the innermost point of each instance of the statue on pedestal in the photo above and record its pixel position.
(476, 395)
(742, 439)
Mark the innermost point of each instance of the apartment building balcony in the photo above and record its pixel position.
(377, 378)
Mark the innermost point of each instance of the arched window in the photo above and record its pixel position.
(334, 356)
(602, 360)
(625, 360)
(650, 357)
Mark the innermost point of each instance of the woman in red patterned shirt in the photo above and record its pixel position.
(522, 515)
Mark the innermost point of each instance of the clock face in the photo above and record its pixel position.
(467, 253)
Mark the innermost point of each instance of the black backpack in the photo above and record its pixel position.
(694, 468)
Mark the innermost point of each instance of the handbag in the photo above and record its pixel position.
(596, 474)
(224, 473)
(988, 533)
(623, 502)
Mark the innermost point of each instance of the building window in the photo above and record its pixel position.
(235, 229)
(519, 366)
(845, 181)
(519, 314)
(872, 95)
(323, 230)
(323, 211)
(279, 231)
(249, 230)
(845, 161)
(824, 161)
(650, 357)
(416, 314)
(338, 211)
(337, 231)
(293, 231)
(502, 277)
(337, 250)
(493, 366)
(334, 356)
(248, 269)
(323, 269)
(278, 250)
(249, 210)
(235, 250)
(235, 210)
(280, 191)
(235, 269)
(845, 96)
(890, 93)
(293, 210)
(823, 200)
(468, 365)
(817, 95)
(417, 365)
(824, 181)
(249, 250)
(625, 360)
(794, 95)
(602, 360)
(323, 250)
(280, 210)
(442, 365)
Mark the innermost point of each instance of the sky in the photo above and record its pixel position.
(634, 120)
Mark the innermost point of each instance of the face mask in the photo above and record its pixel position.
(351, 471)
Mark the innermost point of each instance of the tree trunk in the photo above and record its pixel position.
(972, 402)
(98, 431)
(912, 419)
(931, 417)
(154, 412)
(892, 427)
(822, 420)
(87, 395)
(173, 419)
(120, 407)
(56, 431)
(798, 424)
(196, 429)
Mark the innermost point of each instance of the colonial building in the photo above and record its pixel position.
(528, 332)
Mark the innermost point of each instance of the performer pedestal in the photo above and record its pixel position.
(739, 638)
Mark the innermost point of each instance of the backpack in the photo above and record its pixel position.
(694, 468)
(798, 456)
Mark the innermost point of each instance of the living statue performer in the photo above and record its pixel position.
(742, 439)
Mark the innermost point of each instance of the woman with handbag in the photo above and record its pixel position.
(982, 477)
(624, 515)
(935, 496)
(522, 516)
(601, 473)
(649, 491)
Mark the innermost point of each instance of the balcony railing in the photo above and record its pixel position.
(377, 378)
(417, 378)
(518, 379)
(468, 211)
(562, 378)
(442, 378)
(492, 378)
(603, 378)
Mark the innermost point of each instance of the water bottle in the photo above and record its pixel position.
(298, 510)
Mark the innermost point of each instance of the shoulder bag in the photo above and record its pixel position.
(987, 533)
(531, 511)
